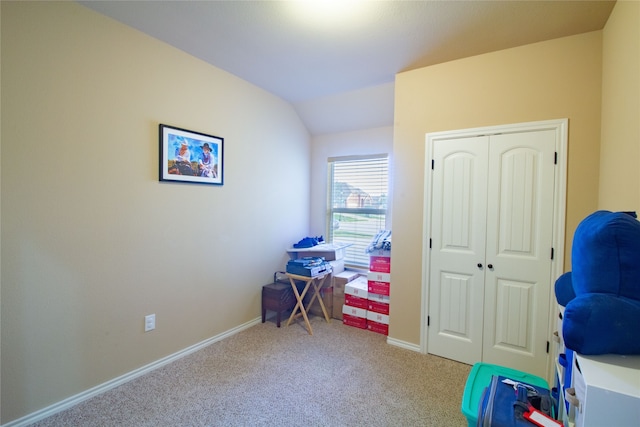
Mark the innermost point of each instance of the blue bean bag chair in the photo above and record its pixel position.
(601, 294)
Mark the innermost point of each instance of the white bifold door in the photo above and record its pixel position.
(491, 242)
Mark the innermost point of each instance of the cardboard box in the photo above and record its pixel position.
(380, 252)
(356, 322)
(377, 276)
(337, 266)
(383, 288)
(355, 293)
(344, 277)
(378, 322)
(380, 264)
(377, 307)
(339, 282)
(338, 301)
(379, 283)
(354, 311)
(353, 316)
(357, 287)
(354, 301)
(328, 282)
(383, 299)
(377, 327)
(377, 317)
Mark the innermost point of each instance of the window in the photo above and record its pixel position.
(357, 193)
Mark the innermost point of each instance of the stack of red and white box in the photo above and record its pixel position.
(339, 282)
(378, 287)
(354, 310)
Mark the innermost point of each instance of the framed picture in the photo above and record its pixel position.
(188, 156)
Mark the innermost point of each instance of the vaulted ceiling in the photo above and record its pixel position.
(337, 68)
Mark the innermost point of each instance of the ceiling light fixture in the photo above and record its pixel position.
(328, 12)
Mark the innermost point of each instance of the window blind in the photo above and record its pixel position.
(357, 201)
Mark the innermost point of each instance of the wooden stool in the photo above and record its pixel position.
(277, 297)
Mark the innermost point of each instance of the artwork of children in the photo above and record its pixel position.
(190, 156)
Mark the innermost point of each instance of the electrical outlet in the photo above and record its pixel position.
(149, 322)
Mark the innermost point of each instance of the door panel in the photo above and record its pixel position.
(491, 229)
(514, 315)
(458, 236)
(520, 213)
(455, 291)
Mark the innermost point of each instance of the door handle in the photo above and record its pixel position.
(479, 265)
(490, 266)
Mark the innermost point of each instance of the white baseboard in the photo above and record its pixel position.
(403, 344)
(94, 391)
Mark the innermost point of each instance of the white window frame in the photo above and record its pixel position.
(355, 255)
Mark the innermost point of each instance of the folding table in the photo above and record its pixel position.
(315, 283)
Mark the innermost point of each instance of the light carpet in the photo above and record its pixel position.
(269, 376)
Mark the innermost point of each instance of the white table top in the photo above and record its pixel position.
(323, 247)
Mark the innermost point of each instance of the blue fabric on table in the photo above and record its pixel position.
(309, 242)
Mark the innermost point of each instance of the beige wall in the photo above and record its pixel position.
(549, 80)
(91, 241)
(620, 147)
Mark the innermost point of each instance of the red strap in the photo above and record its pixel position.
(541, 419)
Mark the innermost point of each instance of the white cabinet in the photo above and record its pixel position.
(607, 390)
(599, 390)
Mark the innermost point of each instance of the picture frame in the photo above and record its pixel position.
(190, 157)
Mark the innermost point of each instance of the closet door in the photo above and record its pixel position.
(518, 249)
(491, 229)
(458, 229)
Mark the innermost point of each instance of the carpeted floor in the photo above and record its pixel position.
(265, 376)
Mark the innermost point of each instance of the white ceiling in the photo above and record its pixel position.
(338, 74)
